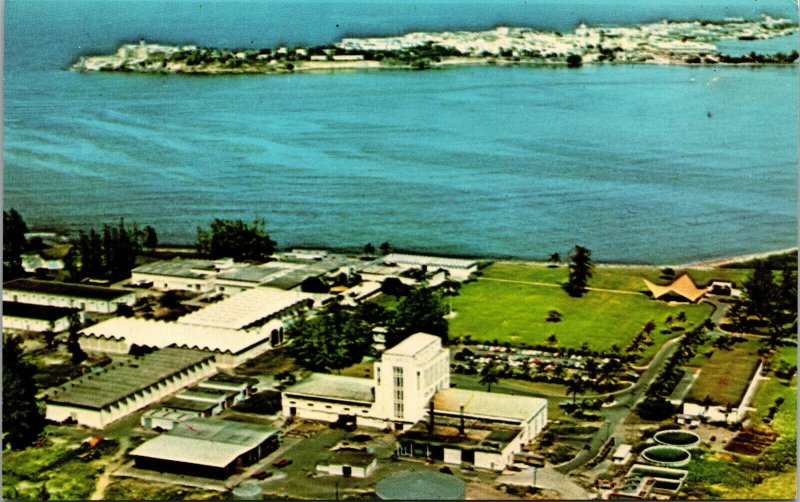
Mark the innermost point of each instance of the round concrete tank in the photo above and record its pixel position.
(248, 490)
(682, 439)
(667, 456)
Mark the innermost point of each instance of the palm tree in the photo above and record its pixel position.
(591, 367)
(574, 387)
(555, 259)
(488, 376)
(649, 327)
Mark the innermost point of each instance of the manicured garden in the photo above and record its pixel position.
(517, 312)
(724, 373)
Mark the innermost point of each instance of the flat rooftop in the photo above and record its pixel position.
(226, 379)
(153, 333)
(349, 457)
(430, 261)
(414, 344)
(116, 382)
(177, 403)
(249, 274)
(64, 289)
(177, 268)
(31, 311)
(205, 441)
(490, 405)
(246, 308)
(335, 387)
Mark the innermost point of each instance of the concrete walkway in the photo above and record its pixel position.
(546, 478)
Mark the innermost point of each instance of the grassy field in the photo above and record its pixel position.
(785, 421)
(726, 374)
(628, 278)
(493, 308)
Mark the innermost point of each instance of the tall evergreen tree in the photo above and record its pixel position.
(421, 311)
(761, 292)
(22, 419)
(580, 270)
(14, 229)
(73, 345)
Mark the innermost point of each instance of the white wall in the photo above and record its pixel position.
(38, 325)
(89, 305)
(196, 284)
(100, 418)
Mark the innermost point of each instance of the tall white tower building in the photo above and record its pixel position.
(407, 377)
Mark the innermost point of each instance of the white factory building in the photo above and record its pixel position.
(458, 268)
(410, 386)
(62, 294)
(97, 399)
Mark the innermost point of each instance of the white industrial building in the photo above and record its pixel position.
(180, 274)
(346, 463)
(231, 347)
(62, 294)
(410, 386)
(458, 268)
(97, 399)
(252, 308)
(39, 318)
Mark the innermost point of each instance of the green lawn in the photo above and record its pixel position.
(726, 374)
(628, 278)
(785, 421)
(512, 312)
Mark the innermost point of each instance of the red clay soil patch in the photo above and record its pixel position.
(751, 441)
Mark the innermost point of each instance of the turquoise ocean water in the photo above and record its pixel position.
(493, 161)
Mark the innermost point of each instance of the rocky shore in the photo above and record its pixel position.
(666, 42)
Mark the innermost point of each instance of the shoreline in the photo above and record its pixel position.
(662, 43)
(706, 263)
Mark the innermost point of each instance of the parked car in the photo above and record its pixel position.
(263, 475)
(281, 462)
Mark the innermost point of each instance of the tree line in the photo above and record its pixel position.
(338, 337)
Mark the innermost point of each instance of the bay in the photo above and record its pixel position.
(639, 163)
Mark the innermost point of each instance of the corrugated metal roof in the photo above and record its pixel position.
(114, 383)
(152, 333)
(64, 289)
(246, 308)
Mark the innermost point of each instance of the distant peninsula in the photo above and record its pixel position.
(665, 42)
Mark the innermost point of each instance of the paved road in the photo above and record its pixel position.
(616, 414)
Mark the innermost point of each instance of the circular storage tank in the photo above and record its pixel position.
(421, 485)
(682, 439)
(248, 490)
(667, 456)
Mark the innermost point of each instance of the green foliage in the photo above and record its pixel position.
(421, 311)
(73, 345)
(489, 376)
(14, 243)
(580, 270)
(235, 239)
(314, 285)
(335, 339)
(574, 60)
(111, 254)
(655, 408)
(22, 419)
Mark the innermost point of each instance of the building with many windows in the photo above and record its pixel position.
(410, 391)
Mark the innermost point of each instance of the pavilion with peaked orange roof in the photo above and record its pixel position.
(681, 289)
